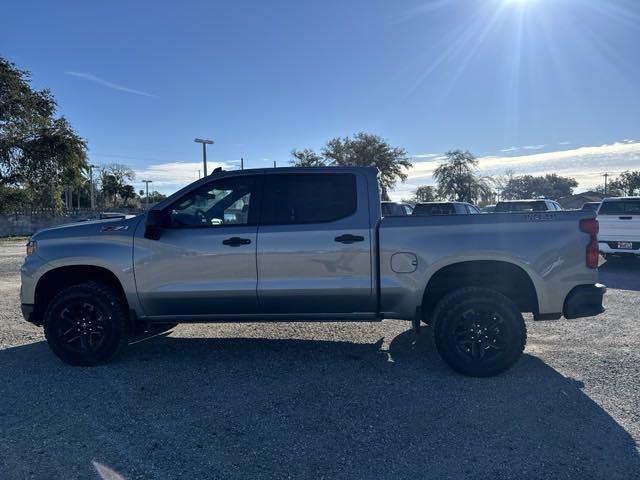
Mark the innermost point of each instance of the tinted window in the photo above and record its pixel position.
(308, 198)
(434, 209)
(536, 206)
(591, 206)
(471, 209)
(407, 209)
(620, 207)
(391, 209)
(220, 203)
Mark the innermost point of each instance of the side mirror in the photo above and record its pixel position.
(156, 219)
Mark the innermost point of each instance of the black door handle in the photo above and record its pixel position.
(236, 241)
(348, 238)
(624, 218)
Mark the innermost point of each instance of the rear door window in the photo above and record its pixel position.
(308, 198)
(620, 207)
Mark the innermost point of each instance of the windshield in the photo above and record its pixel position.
(536, 206)
(434, 209)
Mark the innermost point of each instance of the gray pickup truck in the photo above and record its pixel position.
(294, 244)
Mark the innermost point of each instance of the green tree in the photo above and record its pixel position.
(307, 158)
(550, 186)
(40, 153)
(628, 183)
(364, 150)
(114, 184)
(458, 180)
(155, 196)
(424, 193)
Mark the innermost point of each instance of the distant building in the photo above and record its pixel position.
(575, 202)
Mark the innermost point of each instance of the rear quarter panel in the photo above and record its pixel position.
(548, 246)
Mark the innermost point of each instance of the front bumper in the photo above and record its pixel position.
(27, 312)
(584, 301)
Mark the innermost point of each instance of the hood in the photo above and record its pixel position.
(87, 228)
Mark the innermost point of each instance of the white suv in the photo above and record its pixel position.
(619, 220)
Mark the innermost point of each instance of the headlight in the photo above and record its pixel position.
(32, 246)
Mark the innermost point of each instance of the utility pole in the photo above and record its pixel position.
(198, 174)
(147, 182)
(241, 163)
(91, 167)
(605, 175)
(204, 143)
(274, 164)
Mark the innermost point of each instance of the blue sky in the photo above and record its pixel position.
(502, 78)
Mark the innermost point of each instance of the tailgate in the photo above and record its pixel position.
(620, 220)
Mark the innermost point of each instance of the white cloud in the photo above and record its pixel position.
(585, 164)
(425, 155)
(171, 176)
(106, 83)
(526, 147)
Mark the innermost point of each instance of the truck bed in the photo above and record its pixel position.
(538, 243)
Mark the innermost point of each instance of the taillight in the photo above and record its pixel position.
(590, 226)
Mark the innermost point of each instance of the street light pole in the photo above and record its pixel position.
(204, 143)
(91, 167)
(147, 182)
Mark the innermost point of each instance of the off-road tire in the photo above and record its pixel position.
(110, 323)
(456, 334)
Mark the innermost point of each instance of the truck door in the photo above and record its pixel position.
(204, 261)
(314, 245)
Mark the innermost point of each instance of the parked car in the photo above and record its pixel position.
(315, 249)
(445, 208)
(488, 209)
(395, 209)
(619, 220)
(591, 206)
(532, 205)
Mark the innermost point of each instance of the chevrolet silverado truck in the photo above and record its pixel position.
(292, 244)
(619, 218)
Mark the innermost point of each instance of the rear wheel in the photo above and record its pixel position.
(85, 324)
(478, 331)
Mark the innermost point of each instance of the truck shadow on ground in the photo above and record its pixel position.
(262, 408)
(620, 273)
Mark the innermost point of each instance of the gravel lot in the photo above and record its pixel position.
(348, 400)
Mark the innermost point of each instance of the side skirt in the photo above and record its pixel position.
(262, 317)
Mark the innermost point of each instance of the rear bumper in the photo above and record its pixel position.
(584, 301)
(606, 247)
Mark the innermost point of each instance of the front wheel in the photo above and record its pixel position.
(478, 331)
(85, 324)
